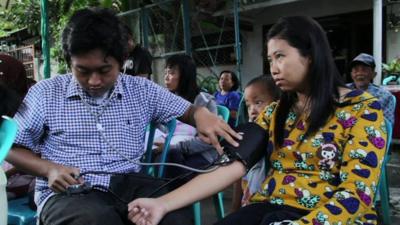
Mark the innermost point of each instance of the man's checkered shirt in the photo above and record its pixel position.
(55, 123)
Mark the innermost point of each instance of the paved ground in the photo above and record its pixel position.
(209, 215)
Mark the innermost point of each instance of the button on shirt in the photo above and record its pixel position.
(54, 122)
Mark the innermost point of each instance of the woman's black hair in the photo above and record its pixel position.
(10, 101)
(187, 86)
(234, 78)
(95, 28)
(268, 82)
(307, 36)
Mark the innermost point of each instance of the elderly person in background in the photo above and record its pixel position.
(362, 73)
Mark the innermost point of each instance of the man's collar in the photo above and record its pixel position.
(74, 88)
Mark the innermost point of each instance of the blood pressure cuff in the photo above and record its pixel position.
(252, 147)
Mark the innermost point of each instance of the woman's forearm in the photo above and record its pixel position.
(203, 186)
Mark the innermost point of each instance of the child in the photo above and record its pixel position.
(228, 96)
(259, 93)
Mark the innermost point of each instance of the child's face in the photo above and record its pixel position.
(257, 98)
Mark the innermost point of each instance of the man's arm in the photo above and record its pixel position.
(59, 176)
(210, 126)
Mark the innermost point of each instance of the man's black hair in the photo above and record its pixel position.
(95, 28)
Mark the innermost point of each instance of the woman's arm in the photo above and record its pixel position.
(150, 211)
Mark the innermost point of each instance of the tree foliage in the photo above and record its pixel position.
(26, 14)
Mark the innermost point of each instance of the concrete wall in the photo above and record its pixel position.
(393, 38)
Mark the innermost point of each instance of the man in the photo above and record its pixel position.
(139, 59)
(362, 73)
(92, 122)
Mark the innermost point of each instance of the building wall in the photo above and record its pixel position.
(393, 38)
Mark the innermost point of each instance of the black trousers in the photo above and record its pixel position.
(262, 214)
(105, 208)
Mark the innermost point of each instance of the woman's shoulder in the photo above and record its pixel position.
(356, 96)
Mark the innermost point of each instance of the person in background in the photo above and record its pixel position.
(13, 78)
(13, 75)
(363, 72)
(186, 148)
(258, 94)
(228, 96)
(139, 59)
(325, 147)
(83, 131)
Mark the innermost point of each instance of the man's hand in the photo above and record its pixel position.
(60, 177)
(146, 211)
(210, 127)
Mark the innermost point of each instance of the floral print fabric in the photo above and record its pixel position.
(332, 173)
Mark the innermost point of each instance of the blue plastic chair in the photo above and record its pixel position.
(218, 199)
(8, 131)
(19, 212)
(242, 116)
(383, 184)
(171, 125)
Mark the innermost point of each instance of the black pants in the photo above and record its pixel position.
(104, 208)
(262, 214)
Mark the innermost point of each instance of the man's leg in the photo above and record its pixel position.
(182, 216)
(94, 208)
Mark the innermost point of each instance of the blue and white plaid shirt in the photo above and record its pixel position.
(384, 97)
(55, 123)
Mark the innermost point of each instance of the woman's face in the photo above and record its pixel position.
(289, 69)
(171, 78)
(225, 82)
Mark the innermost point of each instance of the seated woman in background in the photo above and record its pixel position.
(186, 148)
(258, 94)
(228, 96)
(326, 144)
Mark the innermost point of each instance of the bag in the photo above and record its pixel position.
(128, 187)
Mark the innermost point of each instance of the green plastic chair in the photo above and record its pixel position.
(218, 199)
(382, 192)
(171, 125)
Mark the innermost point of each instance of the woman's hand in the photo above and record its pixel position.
(60, 177)
(146, 211)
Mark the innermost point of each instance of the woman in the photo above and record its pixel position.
(326, 144)
(228, 96)
(186, 148)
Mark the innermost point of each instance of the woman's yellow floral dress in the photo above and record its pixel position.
(334, 173)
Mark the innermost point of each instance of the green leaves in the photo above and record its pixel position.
(393, 67)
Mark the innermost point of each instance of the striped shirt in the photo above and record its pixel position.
(55, 122)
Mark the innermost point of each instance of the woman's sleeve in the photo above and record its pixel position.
(360, 170)
(234, 101)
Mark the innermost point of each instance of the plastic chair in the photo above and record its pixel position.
(218, 199)
(223, 112)
(383, 185)
(8, 131)
(242, 116)
(171, 125)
